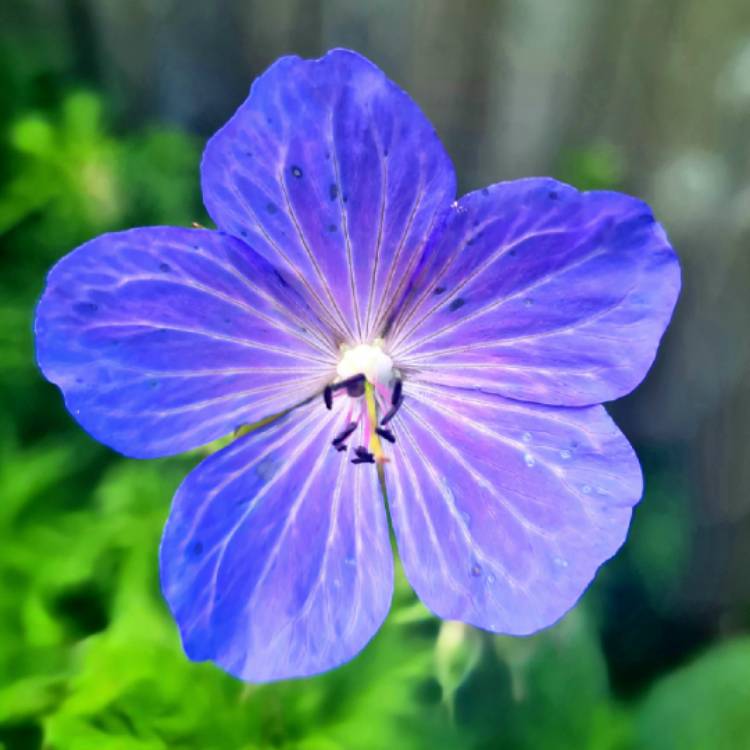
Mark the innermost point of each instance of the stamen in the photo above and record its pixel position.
(396, 393)
(386, 434)
(344, 434)
(363, 456)
(372, 420)
(370, 459)
(354, 385)
(397, 398)
(328, 397)
(391, 413)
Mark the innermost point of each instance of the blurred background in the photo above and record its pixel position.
(104, 107)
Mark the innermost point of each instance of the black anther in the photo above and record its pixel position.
(344, 434)
(328, 397)
(396, 393)
(386, 434)
(354, 380)
(368, 459)
(391, 413)
(340, 447)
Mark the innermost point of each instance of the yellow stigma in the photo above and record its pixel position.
(375, 446)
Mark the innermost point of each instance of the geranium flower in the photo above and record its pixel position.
(461, 349)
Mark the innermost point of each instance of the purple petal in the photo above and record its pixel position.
(504, 510)
(162, 339)
(544, 294)
(276, 560)
(331, 171)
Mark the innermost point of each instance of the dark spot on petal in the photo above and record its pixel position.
(345, 198)
(281, 279)
(512, 253)
(153, 384)
(456, 304)
(271, 207)
(165, 267)
(79, 380)
(85, 308)
(553, 195)
(243, 233)
(476, 570)
(333, 191)
(328, 154)
(196, 548)
(332, 227)
(296, 171)
(385, 153)
(249, 154)
(485, 191)
(438, 290)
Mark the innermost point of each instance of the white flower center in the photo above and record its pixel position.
(369, 360)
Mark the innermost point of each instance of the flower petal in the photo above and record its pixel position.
(544, 294)
(504, 510)
(276, 560)
(332, 171)
(163, 339)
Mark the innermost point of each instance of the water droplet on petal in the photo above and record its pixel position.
(466, 517)
(528, 302)
(566, 454)
(601, 491)
(296, 171)
(350, 561)
(561, 562)
(490, 578)
(586, 489)
(529, 459)
(476, 570)
(526, 437)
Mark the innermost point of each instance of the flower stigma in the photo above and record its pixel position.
(367, 376)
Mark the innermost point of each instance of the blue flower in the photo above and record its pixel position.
(461, 349)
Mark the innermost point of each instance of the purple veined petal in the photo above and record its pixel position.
(332, 171)
(276, 560)
(542, 293)
(163, 339)
(503, 510)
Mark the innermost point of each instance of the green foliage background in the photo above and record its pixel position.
(89, 657)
